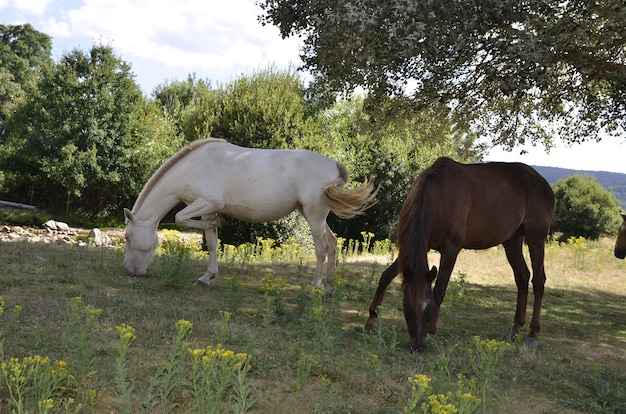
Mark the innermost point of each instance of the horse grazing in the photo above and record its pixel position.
(454, 206)
(620, 243)
(256, 185)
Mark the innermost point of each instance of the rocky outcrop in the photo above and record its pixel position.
(60, 233)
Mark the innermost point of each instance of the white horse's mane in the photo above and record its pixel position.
(167, 165)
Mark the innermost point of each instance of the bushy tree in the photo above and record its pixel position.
(193, 106)
(584, 208)
(24, 54)
(85, 138)
(267, 109)
(513, 70)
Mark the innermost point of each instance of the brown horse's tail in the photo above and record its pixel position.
(349, 203)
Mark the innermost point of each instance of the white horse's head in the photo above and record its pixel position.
(141, 242)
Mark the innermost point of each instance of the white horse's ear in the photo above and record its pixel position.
(129, 215)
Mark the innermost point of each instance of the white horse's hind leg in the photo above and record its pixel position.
(331, 252)
(211, 244)
(318, 231)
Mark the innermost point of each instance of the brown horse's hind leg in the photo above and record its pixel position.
(515, 256)
(537, 255)
(385, 279)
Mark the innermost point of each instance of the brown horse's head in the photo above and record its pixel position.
(620, 244)
(420, 310)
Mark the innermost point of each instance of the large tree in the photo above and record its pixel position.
(24, 54)
(86, 138)
(513, 71)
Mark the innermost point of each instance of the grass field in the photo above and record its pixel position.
(79, 335)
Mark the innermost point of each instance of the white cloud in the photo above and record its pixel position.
(56, 28)
(204, 34)
(33, 7)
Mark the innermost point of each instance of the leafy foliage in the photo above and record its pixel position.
(584, 208)
(76, 140)
(503, 67)
(24, 53)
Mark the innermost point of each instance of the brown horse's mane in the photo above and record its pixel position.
(413, 225)
(167, 165)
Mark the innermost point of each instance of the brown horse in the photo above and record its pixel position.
(454, 206)
(620, 244)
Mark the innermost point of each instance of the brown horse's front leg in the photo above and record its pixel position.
(385, 279)
(515, 257)
(446, 265)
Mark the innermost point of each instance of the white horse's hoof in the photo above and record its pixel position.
(201, 283)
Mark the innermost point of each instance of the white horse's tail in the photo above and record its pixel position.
(349, 203)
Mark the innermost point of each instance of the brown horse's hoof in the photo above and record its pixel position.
(371, 325)
(531, 343)
(200, 283)
(422, 348)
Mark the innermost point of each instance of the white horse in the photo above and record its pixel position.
(213, 176)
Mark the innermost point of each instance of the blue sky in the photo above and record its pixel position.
(166, 40)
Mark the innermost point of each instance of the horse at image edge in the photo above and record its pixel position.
(620, 243)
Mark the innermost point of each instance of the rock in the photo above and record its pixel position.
(99, 238)
(56, 226)
(58, 233)
(50, 225)
(63, 227)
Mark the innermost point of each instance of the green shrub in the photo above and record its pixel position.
(584, 208)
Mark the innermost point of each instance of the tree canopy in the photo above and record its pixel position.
(85, 135)
(513, 71)
(24, 54)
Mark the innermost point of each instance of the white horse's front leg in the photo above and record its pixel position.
(211, 244)
(209, 223)
(199, 208)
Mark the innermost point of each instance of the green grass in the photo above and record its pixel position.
(308, 352)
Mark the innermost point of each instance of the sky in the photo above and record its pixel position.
(219, 40)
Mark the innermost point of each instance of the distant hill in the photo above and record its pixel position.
(616, 182)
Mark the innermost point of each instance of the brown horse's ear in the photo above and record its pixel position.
(432, 274)
(623, 215)
(129, 215)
